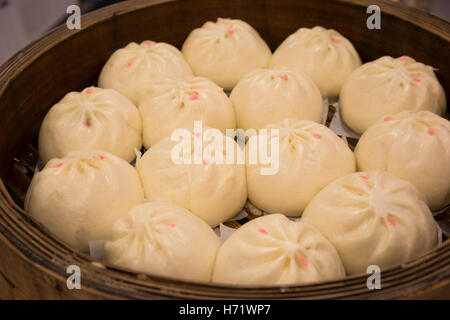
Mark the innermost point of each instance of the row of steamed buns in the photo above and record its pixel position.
(266, 88)
(156, 77)
(81, 196)
(357, 220)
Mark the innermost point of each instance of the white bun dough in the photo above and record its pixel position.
(310, 157)
(132, 70)
(174, 104)
(324, 54)
(412, 146)
(94, 119)
(266, 96)
(272, 250)
(225, 50)
(79, 197)
(163, 239)
(373, 218)
(388, 86)
(212, 191)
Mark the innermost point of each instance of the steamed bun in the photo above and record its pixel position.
(80, 196)
(135, 68)
(373, 218)
(387, 86)
(324, 54)
(224, 51)
(412, 146)
(272, 250)
(163, 239)
(310, 157)
(94, 119)
(212, 191)
(266, 96)
(174, 104)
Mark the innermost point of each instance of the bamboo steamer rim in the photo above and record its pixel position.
(35, 244)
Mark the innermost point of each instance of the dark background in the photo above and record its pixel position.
(22, 21)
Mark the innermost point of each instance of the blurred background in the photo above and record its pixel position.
(22, 21)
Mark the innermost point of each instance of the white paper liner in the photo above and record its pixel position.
(252, 209)
(439, 230)
(338, 126)
(225, 232)
(138, 157)
(325, 110)
(241, 215)
(217, 231)
(438, 212)
(96, 249)
(39, 166)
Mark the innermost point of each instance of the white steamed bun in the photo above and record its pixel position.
(174, 104)
(214, 192)
(94, 119)
(387, 86)
(224, 51)
(324, 54)
(266, 96)
(164, 239)
(135, 68)
(412, 146)
(373, 218)
(272, 250)
(310, 157)
(80, 196)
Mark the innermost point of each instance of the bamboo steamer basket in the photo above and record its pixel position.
(33, 262)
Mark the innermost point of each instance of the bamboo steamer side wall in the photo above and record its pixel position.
(67, 60)
(21, 279)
